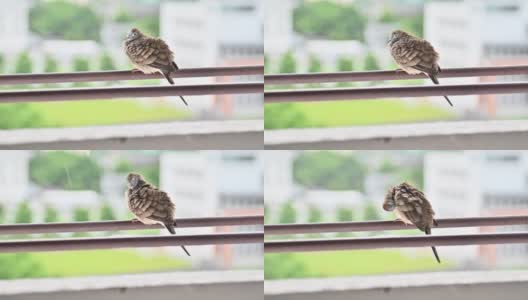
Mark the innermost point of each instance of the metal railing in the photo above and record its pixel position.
(135, 92)
(391, 242)
(127, 225)
(127, 75)
(126, 242)
(278, 79)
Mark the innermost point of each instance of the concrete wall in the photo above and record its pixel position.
(511, 285)
(218, 285)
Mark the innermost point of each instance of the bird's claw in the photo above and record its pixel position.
(135, 220)
(136, 70)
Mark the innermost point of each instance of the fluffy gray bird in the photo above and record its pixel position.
(150, 55)
(149, 204)
(415, 55)
(411, 207)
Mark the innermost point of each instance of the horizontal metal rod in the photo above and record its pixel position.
(394, 242)
(276, 79)
(134, 92)
(390, 225)
(129, 242)
(127, 75)
(126, 225)
(394, 92)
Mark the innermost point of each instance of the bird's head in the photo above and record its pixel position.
(389, 204)
(134, 180)
(134, 34)
(397, 35)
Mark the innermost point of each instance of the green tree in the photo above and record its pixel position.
(388, 17)
(371, 212)
(314, 214)
(66, 170)
(23, 63)
(387, 167)
(283, 115)
(19, 115)
(283, 266)
(287, 63)
(81, 64)
(51, 215)
(371, 63)
(107, 63)
(314, 64)
(287, 213)
(151, 173)
(50, 64)
(2, 63)
(329, 20)
(81, 214)
(23, 213)
(149, 24)
(20, 265)
(107, 213)
(65, 20)
(329, 170)
(344, 214)
(345, 65)
(2, 214)
(123, 166)
(414, 24)
(123, 16)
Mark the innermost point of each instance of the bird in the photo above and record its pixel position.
(150, 55)
(411, 207)
(149, 204)
(415, 55)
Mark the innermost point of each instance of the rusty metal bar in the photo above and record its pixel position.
(135, 92)
(126, 225)
(127, 75)
(394, 242)
(389, 225)
(129, 242)
(277, 79)
(393, 92)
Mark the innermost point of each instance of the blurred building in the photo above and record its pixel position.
(14, 27)
(471, 184)
(474, 33)
(218, 183)
(279, 35)
(209, 33)
(14, 178)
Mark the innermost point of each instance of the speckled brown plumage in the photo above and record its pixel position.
(412, 207)
(415, 55)
(149, 204)
(150, 55)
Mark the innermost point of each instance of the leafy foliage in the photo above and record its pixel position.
(330, 20)
(345, 214)
(23, 213)
(329, 170)
(66, 170)
(371, 63)
(314, 215)
(283, 115)
(23, 63)
(314, 64)
(283, 265)
(81, 64)
(345, 64)
(19, 115)
(50, 64)
(287, 213)
(107, 63)
(51, 215)
(287, 63)
(149, 25)
(107, 213)
(65, 20)
(19, 265)
(371, 212)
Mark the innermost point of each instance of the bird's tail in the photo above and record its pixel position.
(435, 81)
(428, 232)
(169, 79)
(171, 229)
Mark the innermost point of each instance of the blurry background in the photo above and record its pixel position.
(78, 35)
(351, 35)
(58, 186)
(330, 186)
